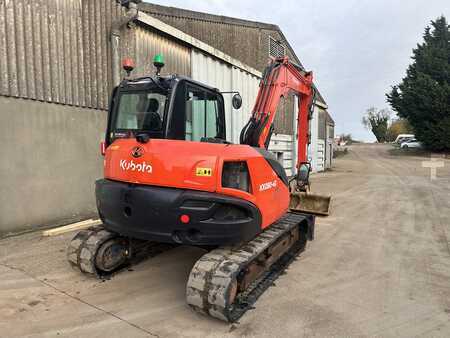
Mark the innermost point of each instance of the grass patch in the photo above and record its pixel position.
(409, 152)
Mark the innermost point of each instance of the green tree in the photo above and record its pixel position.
(377, 122)
(423, 96)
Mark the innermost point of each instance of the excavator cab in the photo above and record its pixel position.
(172, 107)
(166, 107)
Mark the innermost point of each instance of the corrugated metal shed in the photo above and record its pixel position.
(57, 51)
(149, 43)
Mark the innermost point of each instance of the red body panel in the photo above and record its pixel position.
(197, 166)
(172, 163)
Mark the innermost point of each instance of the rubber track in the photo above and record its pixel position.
(209, 283)
(84, 246)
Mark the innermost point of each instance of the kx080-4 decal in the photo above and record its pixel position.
(267, 185)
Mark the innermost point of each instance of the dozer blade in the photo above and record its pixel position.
(310, 203)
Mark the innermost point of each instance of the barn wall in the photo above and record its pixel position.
(50, 161)
(57, 50)
(148, 43)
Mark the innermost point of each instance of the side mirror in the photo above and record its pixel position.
(236, 101)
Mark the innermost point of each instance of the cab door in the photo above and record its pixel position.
(198, 114)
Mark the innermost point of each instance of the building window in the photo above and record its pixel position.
(276, 49)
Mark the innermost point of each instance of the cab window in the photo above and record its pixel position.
(202, 115)
(140, 111)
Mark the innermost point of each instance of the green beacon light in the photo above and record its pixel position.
(158, 62)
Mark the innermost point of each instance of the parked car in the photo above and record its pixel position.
(403, 137)
(412, 143)
(402, 140)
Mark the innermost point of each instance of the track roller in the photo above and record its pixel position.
(225, 282)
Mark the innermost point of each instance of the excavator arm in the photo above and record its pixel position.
(280, 78)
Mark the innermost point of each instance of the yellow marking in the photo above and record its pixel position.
(203, 171)
(115, 147)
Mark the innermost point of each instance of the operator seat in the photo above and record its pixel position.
(152, 120)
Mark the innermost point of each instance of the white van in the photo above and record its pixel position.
(403, 137)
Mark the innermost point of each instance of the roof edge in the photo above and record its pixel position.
(151, 8)
(190, 40)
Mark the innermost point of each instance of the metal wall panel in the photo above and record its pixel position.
(247, 85)
(244, 40)
(57, 50)
(216, 73)
(322, 124)
(315, 148)
(177, 57)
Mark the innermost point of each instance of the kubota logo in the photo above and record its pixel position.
(131, 166)
(137, 152)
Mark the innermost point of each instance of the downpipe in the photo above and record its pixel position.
(116, 28)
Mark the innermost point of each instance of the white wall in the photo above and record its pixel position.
(225, 77)
(329, 150)
(247, 85)
(315, 148)
(283, 147)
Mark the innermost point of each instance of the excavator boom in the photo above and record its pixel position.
(280, 78)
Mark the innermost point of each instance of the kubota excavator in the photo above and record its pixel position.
(171, 177)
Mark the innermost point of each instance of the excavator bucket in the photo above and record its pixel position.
(310, 203)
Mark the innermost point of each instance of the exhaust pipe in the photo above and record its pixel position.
(115, 40)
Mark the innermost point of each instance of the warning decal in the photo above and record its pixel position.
(203, 171)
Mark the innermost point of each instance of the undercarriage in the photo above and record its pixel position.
(224, 283)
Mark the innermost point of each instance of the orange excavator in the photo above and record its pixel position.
(170, 177)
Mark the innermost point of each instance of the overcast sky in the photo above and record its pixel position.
(357, 49)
